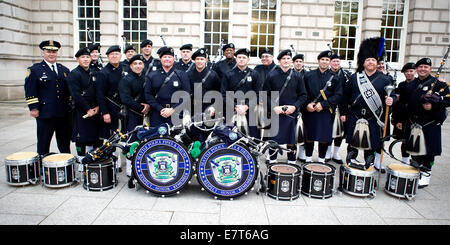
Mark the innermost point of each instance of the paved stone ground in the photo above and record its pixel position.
(39, 205)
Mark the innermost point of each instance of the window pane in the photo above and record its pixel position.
(262, 25)
(345, 27)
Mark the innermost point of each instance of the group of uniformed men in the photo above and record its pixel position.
(84, 105)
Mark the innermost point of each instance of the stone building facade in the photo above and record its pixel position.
(413, 28)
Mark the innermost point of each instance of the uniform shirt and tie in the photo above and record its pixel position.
(207, 79)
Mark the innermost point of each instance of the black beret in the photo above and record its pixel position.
(283, 53)
(128, 48)
(334, 56)
(423, 61)
(199, 53)
(137, 57)
(298, 56)
(95, 46)
(265, 51)
(165, 50)
(408, 66)
(243, 51)
(82, 51)
(229, 45)
(326, 54)
(186, 46)
(114, 48)
(146, 42)
(50, 45)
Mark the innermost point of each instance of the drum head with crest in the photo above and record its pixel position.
(162, 165)
(227, 172)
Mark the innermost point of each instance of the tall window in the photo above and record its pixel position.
(262, 23)
(135, 21)
(345, 26)
(392, 26)
(217, 21)
(88, 22)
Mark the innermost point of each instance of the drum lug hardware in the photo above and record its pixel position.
(178, 193)
(246, 193)
(409, 197)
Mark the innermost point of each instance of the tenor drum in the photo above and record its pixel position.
(22, 168)
(162, 165)
(58, 170)
(357, 182)
(227, 172)
(402, 180)
(283, 181)
(100, 176)
(318, 180)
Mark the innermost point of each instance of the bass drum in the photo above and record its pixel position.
(227, 172)
(162, 166)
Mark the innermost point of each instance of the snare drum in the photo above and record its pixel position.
(283, 181)
(402, 180)
(162, 165)
(227, 172)
(318, 180)
(59, 170)
(357, 182)
(100, 176)
(22, 168)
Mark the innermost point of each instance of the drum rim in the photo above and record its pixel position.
(359, 173)
(59, 164)
(298, 172)
(332, 172)
(22, 162)
(400, 174)
(175, 191)
(249, 187)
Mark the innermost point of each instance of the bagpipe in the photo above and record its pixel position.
(433, 96)
(91, 39)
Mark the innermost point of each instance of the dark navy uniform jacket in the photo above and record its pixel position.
(131, 89)
(153, 64)
(211, 82)
(263, 71)
(47, 91)
(223, 67)
(231, 81)
(354, 107)
(295, 92)
(82, 89)
(431, 121)
(107, 86)
(95, 66)
(155, 79)
(315, 80)
(180, 65)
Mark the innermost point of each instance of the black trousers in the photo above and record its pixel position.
(46, 127)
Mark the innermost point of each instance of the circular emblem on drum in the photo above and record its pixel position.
(61, 175)
(285, 186)
(317, 186)
(162, 166)
(393, 183)
(15, 174)
(94, 178)
(227, 171)
(359, 185)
